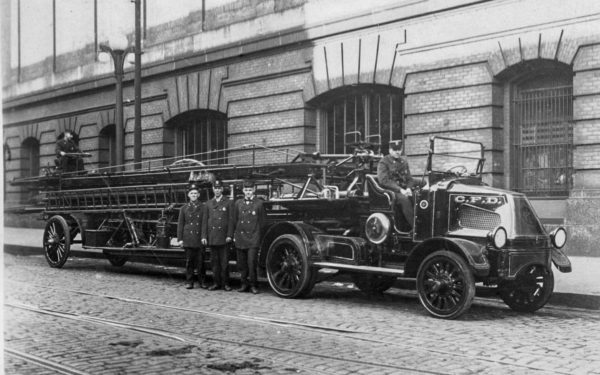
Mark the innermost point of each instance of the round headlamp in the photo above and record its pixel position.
(558, 237)
(377, 228)
(498, 237)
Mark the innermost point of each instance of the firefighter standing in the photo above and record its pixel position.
(189, 230)
(217, 230)
(249, 219)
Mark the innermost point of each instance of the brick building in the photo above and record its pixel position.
(520, 76)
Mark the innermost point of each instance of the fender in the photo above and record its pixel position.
(473, 252)
(561, 261)
(305, 231)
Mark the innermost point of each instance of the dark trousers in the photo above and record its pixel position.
(70, 164)
(219, 260)
(194, 260)
(246, 264)
(407, 211)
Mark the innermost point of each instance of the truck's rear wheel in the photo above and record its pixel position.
(445, 285)
(530, 290)
(57, 241)
(288, 270)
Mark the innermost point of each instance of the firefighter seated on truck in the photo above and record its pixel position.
(67, 154)
(393, 173)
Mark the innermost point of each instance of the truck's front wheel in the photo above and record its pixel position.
(288, 271)
(530, 290)
(445, 284)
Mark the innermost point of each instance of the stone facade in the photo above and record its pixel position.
(267, 67)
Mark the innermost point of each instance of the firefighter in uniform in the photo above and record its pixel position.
(189, 231)
(249, 219)
(393, 173)
(64, 147)
(217, 230)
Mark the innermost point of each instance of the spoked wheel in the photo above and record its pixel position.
(288, 271)
(530, 290)
(116, 260)
(445, 285)
(57, 241)
(373, 284)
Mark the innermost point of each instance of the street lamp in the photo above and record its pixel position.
(118, 52)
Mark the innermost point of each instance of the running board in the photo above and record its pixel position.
(398, 272)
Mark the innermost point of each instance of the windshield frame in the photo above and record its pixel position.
(475, 151)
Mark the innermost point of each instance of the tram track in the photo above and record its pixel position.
(173, 336)
(42, 362)
(337, 332)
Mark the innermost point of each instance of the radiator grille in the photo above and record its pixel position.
(477, 218)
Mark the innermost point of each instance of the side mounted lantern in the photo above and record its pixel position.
(377, 228)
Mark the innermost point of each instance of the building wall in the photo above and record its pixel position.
(267, 67)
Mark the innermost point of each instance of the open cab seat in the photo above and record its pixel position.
(382, 200)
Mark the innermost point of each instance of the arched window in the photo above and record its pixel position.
(107, 145)
(542, 130)
(30, 157)
(367, 112)
(200, 135)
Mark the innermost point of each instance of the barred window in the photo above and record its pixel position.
(352, 114)
(201, 135)
(542, 144)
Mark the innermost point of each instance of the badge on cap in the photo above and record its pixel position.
(396, 145)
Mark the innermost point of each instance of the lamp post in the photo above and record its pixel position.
(137, 84)
(118, 54)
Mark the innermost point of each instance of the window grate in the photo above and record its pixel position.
(543, 141)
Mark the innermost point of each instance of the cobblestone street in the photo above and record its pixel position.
(91, 317)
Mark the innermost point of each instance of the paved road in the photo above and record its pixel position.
(90, 317)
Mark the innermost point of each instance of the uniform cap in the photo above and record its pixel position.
(396, 145)
(217, 183)
(248, 184)
(192, 187)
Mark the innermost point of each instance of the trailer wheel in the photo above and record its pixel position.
(57, 241)
(373, 284)
(530, 290)
(116, 260)
(445, 285)
(288, 271)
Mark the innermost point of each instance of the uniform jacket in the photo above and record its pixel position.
(189, 226)
(218, 221)
(66, 146)
(249, 219)
(394, 173)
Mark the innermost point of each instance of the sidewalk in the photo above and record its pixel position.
(580, 288)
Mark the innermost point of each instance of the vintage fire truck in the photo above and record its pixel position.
(328, 215)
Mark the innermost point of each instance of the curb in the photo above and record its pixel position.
(570, 300)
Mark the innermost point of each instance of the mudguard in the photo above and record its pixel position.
(473, 253)
(561, 261)
(306, 232)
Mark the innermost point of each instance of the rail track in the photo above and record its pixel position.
(346, 335)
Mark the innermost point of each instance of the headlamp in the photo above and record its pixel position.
(558, 237)
(498, 237)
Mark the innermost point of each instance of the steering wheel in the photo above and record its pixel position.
(459, 170)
